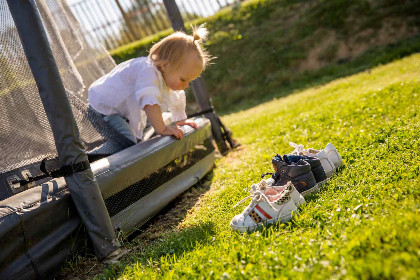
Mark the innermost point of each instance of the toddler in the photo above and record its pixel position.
(143, 87)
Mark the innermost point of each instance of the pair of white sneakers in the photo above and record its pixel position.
(269, 205)
(329, 157)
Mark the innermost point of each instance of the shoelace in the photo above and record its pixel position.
(257, 196)
(268, 173)
(261, 186)
(275, 175)
(298, 148)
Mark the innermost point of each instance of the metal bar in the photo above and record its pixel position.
(210, 4)
(126, 19)
(150, 25)
(147, 2)
(194, 14)
(157, 22)
(111, 9)
(75, 9)
(102, 27)
(124, 9)
(124, 37)
(83, 187)
(195, 8)
(105, 27)
(134, 19)
(184, 9)
(94, 26)
(209, 7)
(199, 8)
(139, 20)
(162, 16)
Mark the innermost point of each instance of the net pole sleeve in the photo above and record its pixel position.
(83, 187)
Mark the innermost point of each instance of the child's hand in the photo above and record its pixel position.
(173, 130)
(187, 122)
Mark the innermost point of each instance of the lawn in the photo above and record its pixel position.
(363, 224)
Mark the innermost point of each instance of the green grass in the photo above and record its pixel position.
(363, 224)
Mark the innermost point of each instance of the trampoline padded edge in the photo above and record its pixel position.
(120, 170)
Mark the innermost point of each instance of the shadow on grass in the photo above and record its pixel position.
(160, 236)
(342, 68)
(161, 251)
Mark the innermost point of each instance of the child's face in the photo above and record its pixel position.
(178, 79)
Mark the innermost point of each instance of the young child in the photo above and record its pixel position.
(145, 86)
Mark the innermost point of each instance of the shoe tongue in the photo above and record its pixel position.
(292, 159)
(286, 159)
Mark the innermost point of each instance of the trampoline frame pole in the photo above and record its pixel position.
(198, 86)
(83, 187)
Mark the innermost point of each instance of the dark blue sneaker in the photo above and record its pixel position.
(314, 162)
(298, 173)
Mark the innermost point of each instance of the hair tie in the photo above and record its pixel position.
(196, 37)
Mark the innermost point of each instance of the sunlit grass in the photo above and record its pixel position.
(364, 223)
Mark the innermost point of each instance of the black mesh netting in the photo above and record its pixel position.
(25, 134)
(133, 193)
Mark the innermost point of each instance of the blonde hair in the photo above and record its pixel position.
(172, 49)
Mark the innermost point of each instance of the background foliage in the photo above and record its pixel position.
(268, 48)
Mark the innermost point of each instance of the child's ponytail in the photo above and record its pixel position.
(200, 33)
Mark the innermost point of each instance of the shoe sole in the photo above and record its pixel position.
(330, 173)
(283, 219)
(301, 201)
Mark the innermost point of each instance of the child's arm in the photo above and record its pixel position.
(154, 114)
(177, 108)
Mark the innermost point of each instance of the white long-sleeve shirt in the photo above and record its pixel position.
(129, 87)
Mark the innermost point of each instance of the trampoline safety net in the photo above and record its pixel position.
(25, 135)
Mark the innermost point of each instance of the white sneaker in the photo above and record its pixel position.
(266, 185)
(326, 163)
(325, 157)
(261, 211)
(333, 155)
